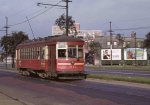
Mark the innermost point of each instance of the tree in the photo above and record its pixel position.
(61, 22)
(9, 43)
(147, 40)
(120, 38)
(147, 44)
(5, 44)
(95, 49)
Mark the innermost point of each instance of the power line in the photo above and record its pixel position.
(136, 28)
(31, 18)
(21, 11)
(35, 15)
(66, 7)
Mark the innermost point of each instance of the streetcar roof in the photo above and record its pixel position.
(64, 38)
(51, 39)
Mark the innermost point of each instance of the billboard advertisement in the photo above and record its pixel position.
(106, 54)
(135, 54)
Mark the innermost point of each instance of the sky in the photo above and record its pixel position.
(126, 16)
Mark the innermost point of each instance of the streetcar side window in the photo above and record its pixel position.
(80, 52)
(37, 53)
(61, 53)
(42, 53)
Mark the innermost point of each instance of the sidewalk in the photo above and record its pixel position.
(6, 100)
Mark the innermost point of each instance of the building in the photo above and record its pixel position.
(123, 42)
(124, 45)
(115, 41)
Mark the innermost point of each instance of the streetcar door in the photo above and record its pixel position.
(52, 58)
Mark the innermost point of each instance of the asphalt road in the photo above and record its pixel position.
(35, 91)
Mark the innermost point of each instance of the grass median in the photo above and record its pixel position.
(143, 80)
(117, 67)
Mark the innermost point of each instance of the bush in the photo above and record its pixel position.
(126, 62)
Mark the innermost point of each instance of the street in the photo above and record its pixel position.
(36, 91)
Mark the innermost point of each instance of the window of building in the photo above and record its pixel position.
(139, 44)
(108, 43)
(124, 44)
(128, 44)
(115, 43)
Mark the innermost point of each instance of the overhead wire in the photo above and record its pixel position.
(35, 15)
(40, 13)
(134, 28)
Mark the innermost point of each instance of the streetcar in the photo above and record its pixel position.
(60, 57)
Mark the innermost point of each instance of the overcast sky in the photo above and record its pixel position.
(91, 14)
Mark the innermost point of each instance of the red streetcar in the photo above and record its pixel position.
(59, 57)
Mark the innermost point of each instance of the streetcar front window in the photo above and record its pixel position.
(72, 51)
(62, 53)
(80, 52)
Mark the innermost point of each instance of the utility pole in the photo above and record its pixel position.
(6, 26)
(134, 34)
(111, 44)
(66, 7)
(6, 36)
(67, 22)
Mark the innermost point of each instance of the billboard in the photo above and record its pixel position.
(135, 54)
(106, 54)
